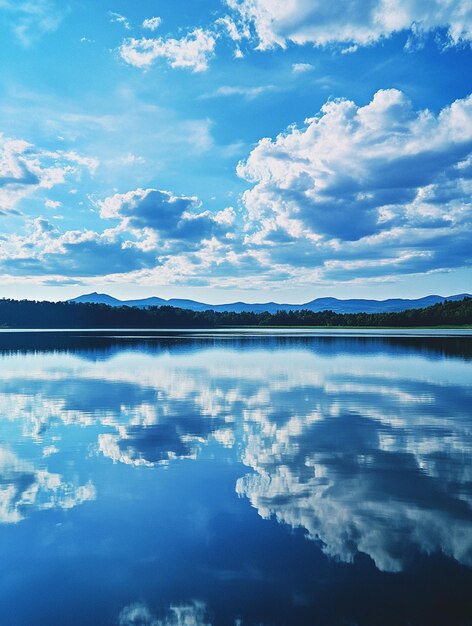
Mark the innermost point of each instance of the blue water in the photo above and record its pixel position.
(204, 479)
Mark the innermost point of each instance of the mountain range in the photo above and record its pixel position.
(319, 304)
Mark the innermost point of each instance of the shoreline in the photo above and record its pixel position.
(241, 328)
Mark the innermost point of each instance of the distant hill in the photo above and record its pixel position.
(392, 305)
(103, 298)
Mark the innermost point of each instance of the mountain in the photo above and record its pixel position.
(98, 298)
(319, 304)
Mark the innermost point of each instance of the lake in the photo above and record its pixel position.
(203, 479)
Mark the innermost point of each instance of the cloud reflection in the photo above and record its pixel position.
(139, 614)
(24, 488)
(376, 465)
(368, 454)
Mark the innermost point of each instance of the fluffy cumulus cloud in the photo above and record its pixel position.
(375, 189)
(170, 225)
(151, 227)
(273, 23)
(152, 23)
(172, 217)
(44, 251)
(193, 51)
(354, 193)
(267, 24)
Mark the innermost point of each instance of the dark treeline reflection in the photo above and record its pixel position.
(207, 480)
(105, 344)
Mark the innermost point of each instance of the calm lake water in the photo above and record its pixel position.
(204, 479)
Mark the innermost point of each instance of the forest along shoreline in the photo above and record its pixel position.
(44, 314)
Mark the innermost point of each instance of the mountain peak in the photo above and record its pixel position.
(98, 298)
(354, 305)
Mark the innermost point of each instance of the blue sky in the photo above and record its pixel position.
(235, 149)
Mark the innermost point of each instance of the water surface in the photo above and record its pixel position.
(205, 478)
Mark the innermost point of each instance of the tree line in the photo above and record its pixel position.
(36, 314)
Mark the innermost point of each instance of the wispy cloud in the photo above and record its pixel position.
(247, 92)
(24, 169)
(120, 19)
(31, 20)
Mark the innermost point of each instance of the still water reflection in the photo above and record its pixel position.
(194, 480)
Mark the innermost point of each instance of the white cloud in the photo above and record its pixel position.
(362, 22)
(302, 68)
(39, 249)
(380, 183)
(152, 23)
(52, 204)
(50, 450)
(355, 193)
(172, 218)
(350, 49)
(230, 28)
(44, 251)
(190, 52)
(154, 230)
(90, 163)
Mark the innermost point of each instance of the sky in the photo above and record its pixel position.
(229, 150)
